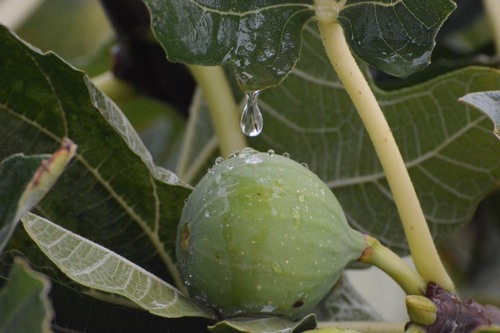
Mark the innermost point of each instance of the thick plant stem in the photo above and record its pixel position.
(417, 232)
(222, 106)
(492, 10)
(389, 262)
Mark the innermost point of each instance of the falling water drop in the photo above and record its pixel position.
(251, 118)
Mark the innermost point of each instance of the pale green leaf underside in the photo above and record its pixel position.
(265, 324)
(447, 146)
(99, 268)
(489, 103)
(24, 301)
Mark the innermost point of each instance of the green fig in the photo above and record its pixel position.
(262, 235)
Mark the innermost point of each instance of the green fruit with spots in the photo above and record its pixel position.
(262, 234)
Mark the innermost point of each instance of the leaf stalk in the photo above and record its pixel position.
(222, 107)
(422, 248)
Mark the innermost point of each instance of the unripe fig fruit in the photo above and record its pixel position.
(262, 234)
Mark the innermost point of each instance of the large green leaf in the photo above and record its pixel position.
(262, 39)
(24, 301)
(99, 268)
(447, 146)
(113, 193)
(24, 181)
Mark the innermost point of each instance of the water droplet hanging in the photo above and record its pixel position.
(251, 118)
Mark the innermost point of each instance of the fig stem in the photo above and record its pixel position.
(422, 247)
(222, 107)
(389, 262)
(492, 10)
(364, 326)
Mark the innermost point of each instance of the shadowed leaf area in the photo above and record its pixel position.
(24, 296)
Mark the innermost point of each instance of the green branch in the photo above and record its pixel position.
(222, 106)
(423, 250)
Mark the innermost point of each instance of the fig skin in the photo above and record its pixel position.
(262, 235)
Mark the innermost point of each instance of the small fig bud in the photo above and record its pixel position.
(421, 310)
(261, 234)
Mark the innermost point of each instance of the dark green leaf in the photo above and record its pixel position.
(24, 304)
(394, 36)
(260, 39)
(113, 193)
(489, 103)
(264, 324)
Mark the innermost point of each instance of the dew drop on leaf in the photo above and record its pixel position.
(251, 118)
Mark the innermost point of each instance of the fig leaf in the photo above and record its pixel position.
(96, 267)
